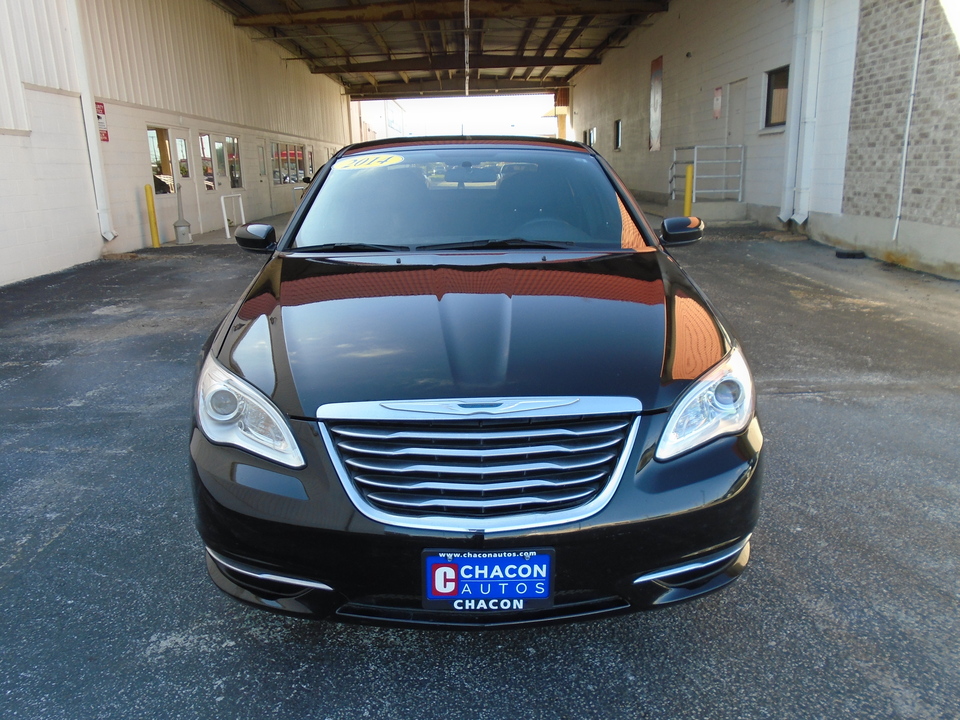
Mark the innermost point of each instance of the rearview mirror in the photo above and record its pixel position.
(472, 175)
(681, 230)
(256, 237)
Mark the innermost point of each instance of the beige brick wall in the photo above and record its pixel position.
(885, 53)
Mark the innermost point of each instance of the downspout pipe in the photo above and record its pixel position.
(906, 129)
(808, 130)
(90, 126)
(794, 103)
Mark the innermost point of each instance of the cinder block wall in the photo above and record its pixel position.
(46, 192)
(885, 57)
(881, 90)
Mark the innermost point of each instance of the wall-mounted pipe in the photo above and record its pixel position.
(90, 126)
(802, 110)
(808, 130)
(794, 105)
(909, 120)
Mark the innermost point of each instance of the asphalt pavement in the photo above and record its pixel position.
(850, 607)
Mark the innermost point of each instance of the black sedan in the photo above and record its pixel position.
(470, 387)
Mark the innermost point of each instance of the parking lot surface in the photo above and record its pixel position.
(850, 606)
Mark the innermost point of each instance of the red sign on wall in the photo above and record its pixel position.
(102, 122)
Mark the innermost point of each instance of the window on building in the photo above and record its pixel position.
(158, 140)
(233, 162)
(288, 163)
(617, 134)
(221, 157)
(586, 137)
(592, 140)
(206, 161)
(275, 162)
(776, 113)
(301, 168)
(182, 158)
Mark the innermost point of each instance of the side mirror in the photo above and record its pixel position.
(256, 237)
(681, 230)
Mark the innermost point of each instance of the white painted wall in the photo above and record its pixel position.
(833, 104)
(46, 192)
(186, 56)
(706, 45)
(175, 64)
(182, 65)
(42, 43)
(13, 104)
(726, 42)
(127, 158)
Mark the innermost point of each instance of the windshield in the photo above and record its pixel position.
(466, 196)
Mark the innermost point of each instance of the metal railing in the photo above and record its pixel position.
(223, 207)
(717, 171)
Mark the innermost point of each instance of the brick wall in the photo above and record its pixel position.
(885, 54)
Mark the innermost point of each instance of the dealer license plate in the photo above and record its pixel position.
(481, 581)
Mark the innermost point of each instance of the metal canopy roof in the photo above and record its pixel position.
(423, 48)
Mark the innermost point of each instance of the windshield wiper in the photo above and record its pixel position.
(499, 244)
(351, 247)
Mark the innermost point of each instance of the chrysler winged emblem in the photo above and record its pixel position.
(480, 406)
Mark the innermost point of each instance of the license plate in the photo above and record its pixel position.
(484, 581)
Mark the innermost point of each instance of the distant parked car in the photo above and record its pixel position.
(471, 387)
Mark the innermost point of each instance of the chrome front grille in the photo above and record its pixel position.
(480, 473)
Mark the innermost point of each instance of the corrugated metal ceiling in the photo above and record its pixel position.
(420, 49)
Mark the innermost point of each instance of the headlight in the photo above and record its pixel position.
(721, 402)
(233, 412)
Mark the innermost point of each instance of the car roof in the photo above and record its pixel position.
(433, 141)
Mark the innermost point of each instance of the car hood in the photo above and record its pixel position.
(312, 331)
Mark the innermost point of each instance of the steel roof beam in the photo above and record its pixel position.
(453, 61)
(441, 88)
(398, 11)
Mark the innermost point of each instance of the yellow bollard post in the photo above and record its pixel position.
(152, 216)
(688, 193)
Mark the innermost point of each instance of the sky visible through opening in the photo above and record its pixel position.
(481, 115)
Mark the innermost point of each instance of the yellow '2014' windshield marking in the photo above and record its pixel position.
(367, 161)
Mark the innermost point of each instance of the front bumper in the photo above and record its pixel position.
(672, 532)
(300, 596)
